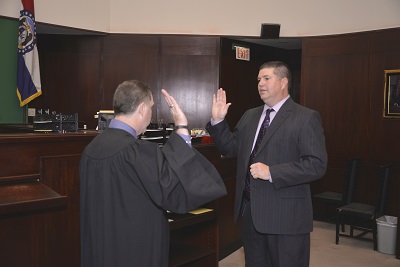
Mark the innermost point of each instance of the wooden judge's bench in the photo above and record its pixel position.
(39, 205)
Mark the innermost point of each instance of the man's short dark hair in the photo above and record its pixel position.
(280, 69)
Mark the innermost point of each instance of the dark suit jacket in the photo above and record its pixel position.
(294, 148)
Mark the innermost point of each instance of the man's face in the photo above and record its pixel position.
(270, 87)
(147, 113)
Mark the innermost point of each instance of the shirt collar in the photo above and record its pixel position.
(117, 124)
(277, 106)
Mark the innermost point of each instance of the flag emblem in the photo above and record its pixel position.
(26, 32)
(28, 74)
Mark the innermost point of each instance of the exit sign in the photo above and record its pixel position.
(242, 53)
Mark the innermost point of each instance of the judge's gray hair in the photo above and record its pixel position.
(129, 95)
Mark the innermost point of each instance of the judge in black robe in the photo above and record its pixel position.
(127, 185)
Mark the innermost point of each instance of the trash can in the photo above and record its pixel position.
(387, 231)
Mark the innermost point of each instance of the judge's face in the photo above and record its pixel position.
(270, 87)
(149, 111)
(146, 113)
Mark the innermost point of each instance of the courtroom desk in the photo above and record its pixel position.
(39, 199)
(39, 204)
(194, 239)
(229, 232)
(7, 128)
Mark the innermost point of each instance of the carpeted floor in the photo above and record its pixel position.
(325, 253)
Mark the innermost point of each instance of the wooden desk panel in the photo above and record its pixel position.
(40, 228)
(229, 232)
(20, 153)
(194, 240)
(39, 219)
(20, 197)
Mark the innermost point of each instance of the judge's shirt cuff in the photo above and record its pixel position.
(214, 122)
(186, 138)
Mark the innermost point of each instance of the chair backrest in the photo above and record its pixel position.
(381, 198)
(351, 180)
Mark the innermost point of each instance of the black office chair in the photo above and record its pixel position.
(335, 199)
(362, 216)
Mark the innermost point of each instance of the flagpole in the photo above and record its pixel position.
(24, 115)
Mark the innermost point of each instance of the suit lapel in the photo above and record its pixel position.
(252, 128)
(283, 113)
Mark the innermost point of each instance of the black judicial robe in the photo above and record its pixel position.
(125, 187)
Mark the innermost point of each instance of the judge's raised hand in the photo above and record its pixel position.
(219, 107)
(176, 112)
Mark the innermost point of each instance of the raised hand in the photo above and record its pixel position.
(219, 107)
(176, 112)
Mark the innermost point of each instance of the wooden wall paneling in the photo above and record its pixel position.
(127, 57)
(70, 75)
(122, 67)
(177, 64)
(345, 44)
(190, 45)
(343, 78)
(131, 44)
(385, 41)
(187, 80)
(385, 55)
(90, 69)
(336, 85)
(189, 71)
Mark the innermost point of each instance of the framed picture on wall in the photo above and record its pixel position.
(392, 94)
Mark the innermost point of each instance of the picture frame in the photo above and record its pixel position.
(392, 94)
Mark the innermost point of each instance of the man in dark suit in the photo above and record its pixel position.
(276, 210)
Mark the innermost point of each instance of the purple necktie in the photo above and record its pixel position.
(260, 136)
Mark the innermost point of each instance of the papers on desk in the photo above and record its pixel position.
(200, 211)
(151, 138)
(159, 130)
(193, 212)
